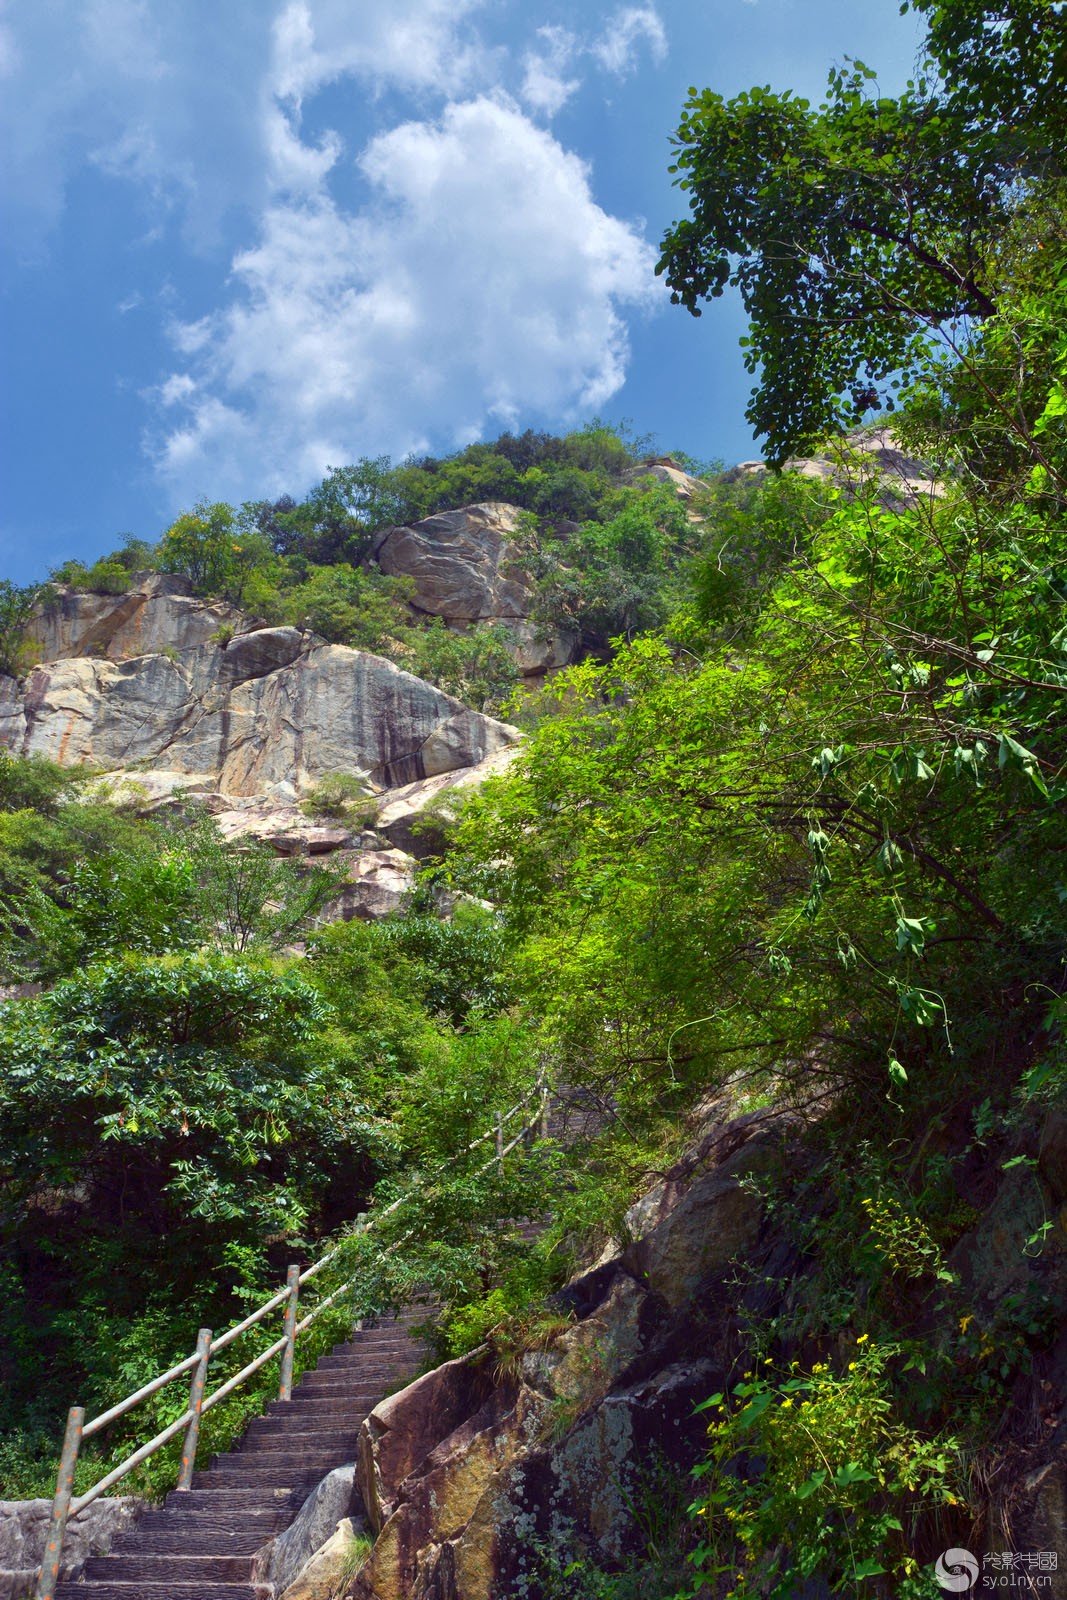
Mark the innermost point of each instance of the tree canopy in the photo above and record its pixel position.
(857, 229)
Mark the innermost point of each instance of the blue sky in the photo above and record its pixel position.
(246, 241)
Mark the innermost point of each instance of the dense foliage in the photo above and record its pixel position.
(858, 230)
(792, 831)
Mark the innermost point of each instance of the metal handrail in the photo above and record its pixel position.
(66, 1504)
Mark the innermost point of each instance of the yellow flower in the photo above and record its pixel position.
(786, 1404)
(863, 1338)
(966, 1321)
(769, 1361)
(852, 1366)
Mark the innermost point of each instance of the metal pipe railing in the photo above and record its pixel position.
(65, 1504)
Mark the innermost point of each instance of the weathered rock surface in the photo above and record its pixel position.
(903, 480)
(684, 1232)
(666, 470)
(466, 569)
(332, 1503)
(461, 1471)
(272, 716)
(461, 563)
(24, 1532)
(158, 613)
(322, 1577)
(376, 885)
(406, 815)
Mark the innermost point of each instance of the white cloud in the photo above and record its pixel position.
(483, 281)
(154, 92)
(407, 43)
(616, 49)
(545, 87)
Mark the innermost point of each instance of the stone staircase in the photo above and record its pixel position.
(200, 1543)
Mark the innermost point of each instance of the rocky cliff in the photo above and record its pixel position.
(161, 692)
(484, 1479)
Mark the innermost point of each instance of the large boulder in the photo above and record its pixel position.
(406, 1428)
(684, 1232)
(860, 459)
(462, 563)
(375, 887)
(666, 470)
(325, 1573)
(247, 721)
(413, 816)
(291, 1556)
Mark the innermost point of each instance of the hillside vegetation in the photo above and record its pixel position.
(793, 833)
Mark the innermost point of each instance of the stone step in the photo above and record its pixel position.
(215, 1536)
(237, 1499)
(403, 1339)
(175, 1590)
(372, 1366)
(276, 1468)
(338, 1431)
(169, 1569)
(316, 1403)
(263, 1480)
(328, 1416)
(338, 1383)
(298, 1447)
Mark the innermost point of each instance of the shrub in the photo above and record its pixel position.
(811, 1474)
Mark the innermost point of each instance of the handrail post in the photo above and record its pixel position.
(68, 1461)
(285, 1377)
(196, 1400)
(543, 1117)
(500, 1138)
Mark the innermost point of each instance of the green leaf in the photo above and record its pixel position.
(897, 1073)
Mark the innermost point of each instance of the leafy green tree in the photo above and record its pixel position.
(1006, 61)
(617, 576)
(828, 223)
(215, 548)
(476, 667)
(334, 522)
(856, 230)
(17, 605)
(359, 607)
(157, 1116)
(85, 884)
(246, 897)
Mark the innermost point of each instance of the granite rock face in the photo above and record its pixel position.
(271, 713)
(466, 1471)
(665, 470)
(860, 458)
(461, 563)
(467, 569)
(158, 613)
(328, 1507)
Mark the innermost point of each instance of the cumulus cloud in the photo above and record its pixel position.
(164, 93)
(481, 282)
(407, 43)
(617, 47)
(545, 85)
